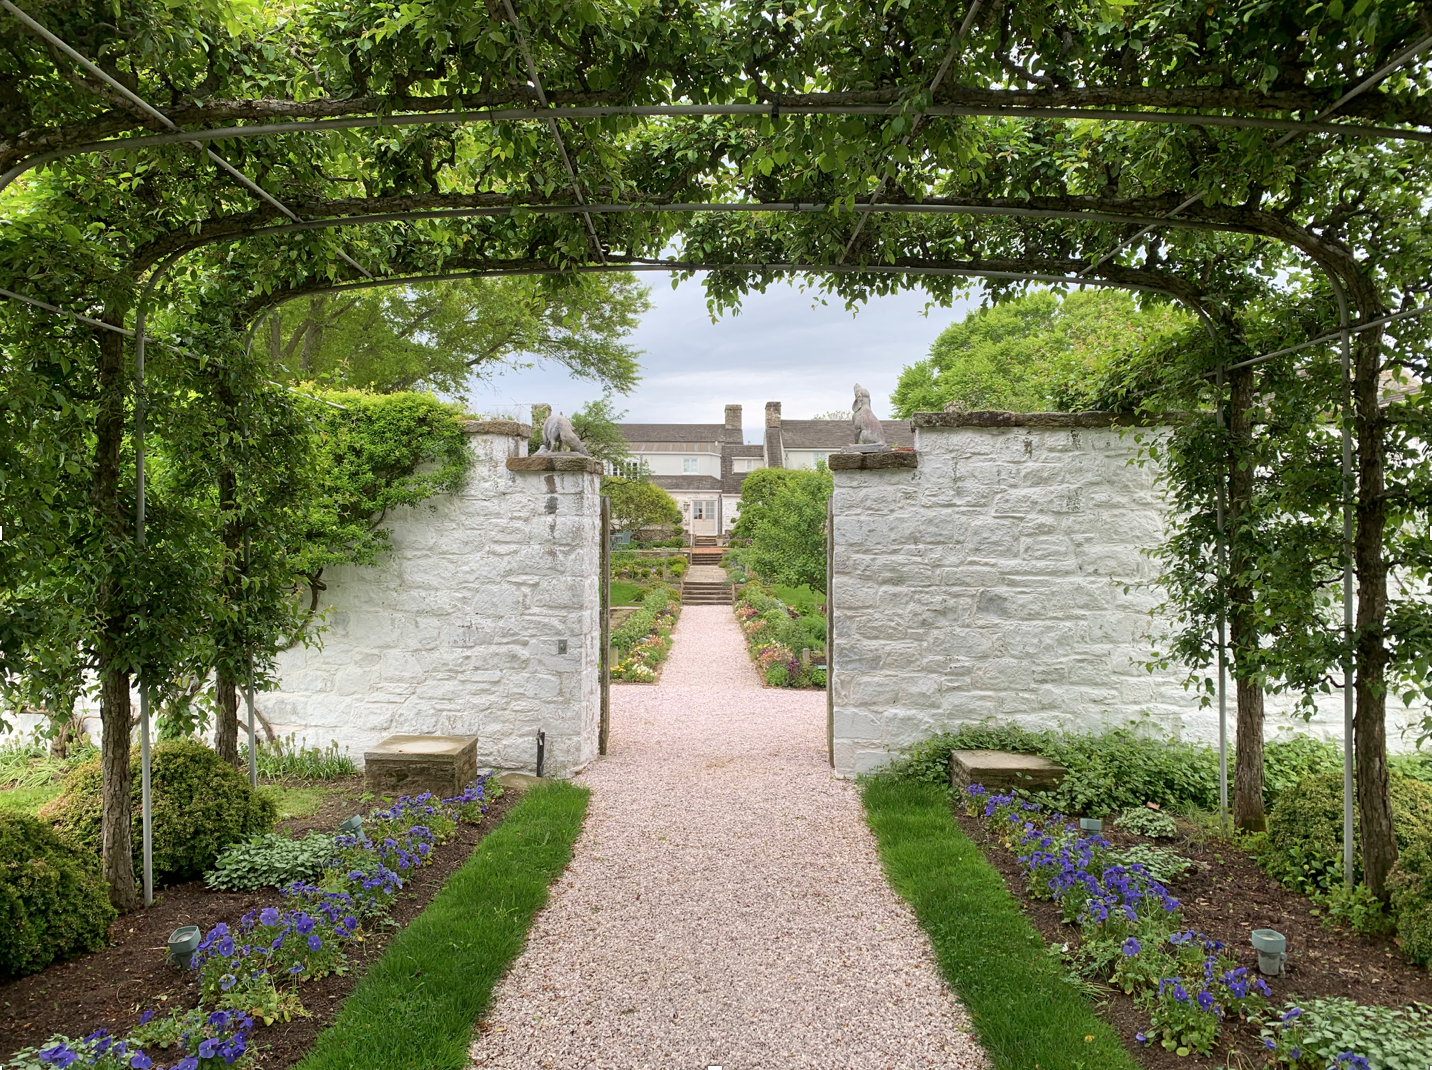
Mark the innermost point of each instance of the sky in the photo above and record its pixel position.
(783, 346)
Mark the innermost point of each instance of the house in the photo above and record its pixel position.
(702, 466)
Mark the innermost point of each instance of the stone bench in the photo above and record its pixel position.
(1000, 770)
(411, 765)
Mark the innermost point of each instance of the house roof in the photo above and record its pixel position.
(833, 434)
(731, 482)
(711, 483)
(754, 449)
(673, 432)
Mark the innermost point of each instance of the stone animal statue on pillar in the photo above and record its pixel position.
(867, 428)
(557, 435)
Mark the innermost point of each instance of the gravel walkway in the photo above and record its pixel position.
(725, 906)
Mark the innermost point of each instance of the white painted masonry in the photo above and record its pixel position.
(1004, 578)
(459, 628)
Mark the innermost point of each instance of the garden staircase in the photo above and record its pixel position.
(705, 594)
(707, 555)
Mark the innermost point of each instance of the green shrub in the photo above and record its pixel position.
(777, 676)
(1108, 772)
(284, 759)
(1304, 845)
(53, 903)
(1389, 1039)
(1289, 760)
(201, 805)
(1412, 899)
(640, 624)
(1142, 821)
(271, 861)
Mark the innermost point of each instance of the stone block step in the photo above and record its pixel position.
(1000, 770)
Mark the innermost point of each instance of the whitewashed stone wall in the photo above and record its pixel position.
(483, 619)
(1004, 578)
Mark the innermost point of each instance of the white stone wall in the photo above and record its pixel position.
(458, 628)
(1004, 578)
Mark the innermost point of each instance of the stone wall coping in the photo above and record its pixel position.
(555, 462)
(857, 462)
(510, 428)
(1039, 419)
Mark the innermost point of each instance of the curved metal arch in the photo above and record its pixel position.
(658, 111)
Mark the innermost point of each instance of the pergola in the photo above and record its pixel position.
(958, 67)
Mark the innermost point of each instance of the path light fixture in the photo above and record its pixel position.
(183, 942)
(353, 826)
(541, 751)
(1271, 946)
(1091, 824)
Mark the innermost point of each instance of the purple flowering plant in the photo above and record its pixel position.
(193, 1040)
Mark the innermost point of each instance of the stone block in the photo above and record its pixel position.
(413, 764)
(1003, 770)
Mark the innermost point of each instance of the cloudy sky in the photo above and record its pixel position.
(783, 346)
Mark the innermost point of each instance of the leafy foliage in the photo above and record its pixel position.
(271, 861)
(643, 641)
(1316, 1034)
(1035, 353)
(201, 806)
(53, 904)
(778, 634)
(638, 504)
(445, 336)
(784, 521)
(284, 759)
(1142, 821)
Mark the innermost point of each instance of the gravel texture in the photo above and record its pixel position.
(725, 906)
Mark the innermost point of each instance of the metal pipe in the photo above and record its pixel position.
(249, 688)
(146, 795)
(1350, 661)
(1221, 541)
(640, 111)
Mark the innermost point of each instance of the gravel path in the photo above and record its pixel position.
(725, 906)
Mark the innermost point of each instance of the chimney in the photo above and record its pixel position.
(773, 414)
(775, 451)
(733, 424)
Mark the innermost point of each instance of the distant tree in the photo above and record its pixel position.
(834, 414)
(788, 542)
(443, 336)
(1033, 354)
(757, 490)
(637, 504)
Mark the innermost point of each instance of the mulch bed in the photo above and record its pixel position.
(114, 986)
(1227, 896)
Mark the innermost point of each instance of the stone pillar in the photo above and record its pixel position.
(483, 619)
(734, 432)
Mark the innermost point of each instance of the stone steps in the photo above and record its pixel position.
(706, 594)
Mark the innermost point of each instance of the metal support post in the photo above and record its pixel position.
(1222, 541)
(1349, 629)
(604, 724)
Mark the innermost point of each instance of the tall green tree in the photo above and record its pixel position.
(787, 525)
(445, 336)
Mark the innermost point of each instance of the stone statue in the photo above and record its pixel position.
(867, 428)
(557, 435)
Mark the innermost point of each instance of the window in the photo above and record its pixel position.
(688, 466)
(703, 510)
(745, 464)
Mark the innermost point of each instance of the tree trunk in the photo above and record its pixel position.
(1374, 801)
(1243, 628)
(226, 728)
(117, 848)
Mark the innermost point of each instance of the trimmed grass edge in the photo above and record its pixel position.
(418, 1005)
(1025, 1014)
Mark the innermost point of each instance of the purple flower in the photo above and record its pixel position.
(1262, 987)
(187, 1063)
(140, 1061)
(305, 924)
(1205, 1000)
(219, 1019)
(59, 1055)
(1141, 1038)
(225, 947)
(1270, 1044)
(145, 1017)
(1131, 946)
(206, 1047)
(314, 943)
(269, 916)
(1291, 1013)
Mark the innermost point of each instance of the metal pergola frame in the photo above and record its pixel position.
(550, 116)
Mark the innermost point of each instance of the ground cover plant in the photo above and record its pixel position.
(643, 570)
(257, 967)
(643, 641)
(461, 945)
(284, 759)
(787, 644)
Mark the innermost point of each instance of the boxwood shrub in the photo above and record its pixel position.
(201, 805)
(53, 903)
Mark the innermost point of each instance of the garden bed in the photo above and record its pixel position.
(1225, 896)
(111, 988)
(640, 646)
(787, 642)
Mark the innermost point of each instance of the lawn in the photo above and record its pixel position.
(28, 800)
(627, 594)
(803, 599)
(296, 801)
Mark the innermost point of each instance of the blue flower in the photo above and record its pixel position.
(305, 924)
(1291, 1013)
(206, 1047)
(140, 1061)
(59, 1055)
(227, 981)
(225, 947)
(1131, 946)
(269, 916)
(314, 943)
(1141, 1038)
(1270, 1044)
(187, 1063)
(218, 1019)
(145, 1017)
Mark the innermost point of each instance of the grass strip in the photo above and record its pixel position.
(417, 1005)
(1025, 1014)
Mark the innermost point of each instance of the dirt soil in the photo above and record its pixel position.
(1227, 896)
(114, 986)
